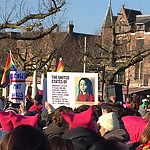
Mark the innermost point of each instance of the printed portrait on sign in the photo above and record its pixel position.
(84, 89)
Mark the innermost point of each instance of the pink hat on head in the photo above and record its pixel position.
(10, 120)
(24, 120)
(35, 107)
(83, 119)
(134, 125)
(5, 121)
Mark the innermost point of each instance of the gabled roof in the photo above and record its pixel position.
(115, 18)
(142, 19)
(131, 15)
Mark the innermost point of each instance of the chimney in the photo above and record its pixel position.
(70, 27)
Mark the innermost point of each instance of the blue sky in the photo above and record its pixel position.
(88, 15)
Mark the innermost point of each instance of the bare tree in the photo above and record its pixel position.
(116, 58)
(24, 18)
(25, 26)
(40, 52)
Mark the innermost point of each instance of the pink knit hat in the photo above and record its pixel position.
(134, 125)
(83, 119)
(10, 120)
(35, 107)
(5, 121)
(24, 120)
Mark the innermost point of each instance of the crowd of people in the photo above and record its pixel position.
(104, 126)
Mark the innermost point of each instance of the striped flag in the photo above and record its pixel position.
(8, 67)
(60, 67)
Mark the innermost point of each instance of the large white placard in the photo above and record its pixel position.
(17, 86)
(63, 88)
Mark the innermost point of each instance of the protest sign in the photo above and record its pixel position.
(17, 86)
(64, 88)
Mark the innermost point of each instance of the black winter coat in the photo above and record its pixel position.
(82, 138)
(53, 130)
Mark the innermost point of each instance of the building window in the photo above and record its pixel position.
(138, 70)
(140, 44)
(122, 26)
(120, 77)
(140, 27)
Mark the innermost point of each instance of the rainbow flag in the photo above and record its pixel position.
(8, 67)
(60, 67)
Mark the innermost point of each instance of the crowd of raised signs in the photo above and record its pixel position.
(103, 126)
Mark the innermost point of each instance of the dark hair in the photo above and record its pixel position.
(81, 108)
(89, 85)
(59, 143)
(25, 137)
(131, 112)
(107, 145)
(118, 109)
(38, 98)
(58, 119)
(135, 105)
(107, 107)
(97, 112)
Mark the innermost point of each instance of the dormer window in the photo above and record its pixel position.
(140, 27)
(122, 26)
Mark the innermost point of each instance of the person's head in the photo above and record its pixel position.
(135, 105)
(108, 145)
(131, 112)
(11, 106)
(108, 122)
(83, 119)
(147, 115)
(106, 108)
(135, 126)
(59, 143)
(97, 112)
(38, 98)
(81, 108)
(85, 86)
(118, 109)
(145, 136)
(25, 137)
(58, 119)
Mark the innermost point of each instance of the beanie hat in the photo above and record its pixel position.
(10, 120)
(109, 121)
(134, 125)
(38, 97)
(36, 107)
(24, 120)
(5, 121)
(82, 119)
(12, 109)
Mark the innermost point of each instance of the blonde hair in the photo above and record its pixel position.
(145, 137)
(147, 115)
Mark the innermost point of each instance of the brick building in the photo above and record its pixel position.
(133, 26)
(130, 31)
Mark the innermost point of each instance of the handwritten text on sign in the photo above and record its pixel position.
(17, 86)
